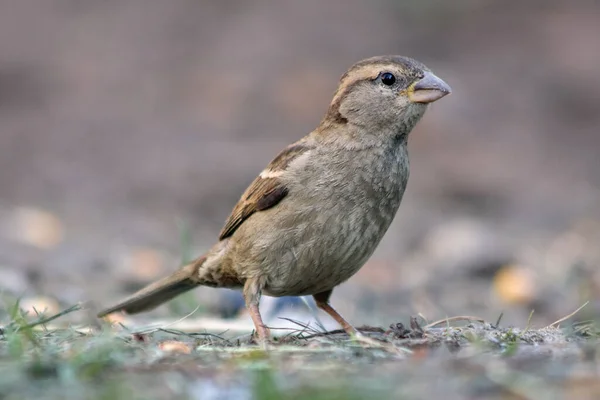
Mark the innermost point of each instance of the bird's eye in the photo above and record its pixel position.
(388, 78)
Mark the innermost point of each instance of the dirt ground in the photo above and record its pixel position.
(129, 129)
(455, 358)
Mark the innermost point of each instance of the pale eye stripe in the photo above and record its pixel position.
(267, 174)
(366, 72)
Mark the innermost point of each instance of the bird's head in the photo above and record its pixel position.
(384, 94)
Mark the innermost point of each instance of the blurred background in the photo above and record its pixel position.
(129, 129)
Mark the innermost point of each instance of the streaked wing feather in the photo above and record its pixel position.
(266, 191)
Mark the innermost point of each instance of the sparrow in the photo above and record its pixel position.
(315, 214)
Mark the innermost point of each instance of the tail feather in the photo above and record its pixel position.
(159, 292)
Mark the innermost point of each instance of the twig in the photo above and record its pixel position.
(293, 331)
(457, 318)
(326, 333)
(43, 321)
(182, 318)
(155, 329)
(567, 317)
(529, 321)
(195, 335)
(39, 315)
(499, 319)
(306, 327)
(338, 331)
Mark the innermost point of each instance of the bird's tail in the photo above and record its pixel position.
(163, 290)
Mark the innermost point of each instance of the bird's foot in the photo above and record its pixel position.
(362, 339)
(370, 343)
(262, 337)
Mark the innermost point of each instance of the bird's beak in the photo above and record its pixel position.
(428, 89)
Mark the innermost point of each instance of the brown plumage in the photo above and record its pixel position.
(314, 216)
(265, 192)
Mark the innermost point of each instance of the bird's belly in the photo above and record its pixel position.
(308, 277)
(320, 253)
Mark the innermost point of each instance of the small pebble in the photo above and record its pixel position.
(175, 346)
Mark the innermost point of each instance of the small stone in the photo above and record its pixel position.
(115, 318)
(37, 227)
(175, 347)
(39, 305)
(515, 284)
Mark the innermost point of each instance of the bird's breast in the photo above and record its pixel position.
(335, 220)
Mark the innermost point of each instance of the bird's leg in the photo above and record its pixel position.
(252, 291)
(322, 300)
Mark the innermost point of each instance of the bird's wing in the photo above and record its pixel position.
(266, 191)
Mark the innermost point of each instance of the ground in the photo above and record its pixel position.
(454, 358)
